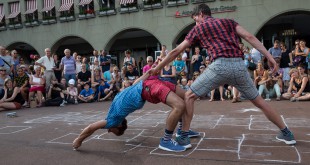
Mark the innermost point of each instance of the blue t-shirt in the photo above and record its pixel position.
(124, 103)
(179, 65)
(101, 88)
(87, 93)
(105, 59)
(107, 75)
(1, 62)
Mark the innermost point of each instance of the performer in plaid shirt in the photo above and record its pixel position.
(221, 39)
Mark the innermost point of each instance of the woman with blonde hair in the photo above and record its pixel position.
(260, 74)
(299, 86)
(12, 98)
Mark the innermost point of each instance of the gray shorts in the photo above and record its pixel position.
(231, 71)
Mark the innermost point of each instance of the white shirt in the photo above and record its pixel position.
(48, 63)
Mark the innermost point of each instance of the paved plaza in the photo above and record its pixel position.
(229, 134)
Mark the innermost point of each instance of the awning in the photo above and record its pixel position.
(48, 5)
(85, 2)
(31, 6)
(66, 5)
(1, 13)
(124, 2)
(15, 10)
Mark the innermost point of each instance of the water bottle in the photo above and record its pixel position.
(267, 97)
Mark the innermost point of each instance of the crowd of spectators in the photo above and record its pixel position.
(51, 81)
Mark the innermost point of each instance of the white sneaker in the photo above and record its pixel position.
(76, 102)
(62, 104)
(25, 104)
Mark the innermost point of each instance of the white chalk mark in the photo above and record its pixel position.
(217, 122)
(133, 148)
(240, 141)
(24, 128)
(249, 110)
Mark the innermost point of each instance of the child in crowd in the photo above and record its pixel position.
(104, 91)
(183, 84)
(126, 84)
(72, 92)
(87, 94)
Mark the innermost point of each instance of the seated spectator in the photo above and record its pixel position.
(183, 84)
(116, 79)
(104, 91)
(160, 58)
(3, 76)
(195, 76)
(107, 75)
(87, 94)
(85, 62)
(22, 64)
(202, 68)
(125, 85)
(72, 92)
(123, 72)
(131, 74)
(299, 86)
(84, 77)
(55, 95)
(168, 73)
(270, 86)
(21, 80)
(179, 64)
(259, 74)
(37, 83)
(180, 77)
(12, 98)
(96, 78)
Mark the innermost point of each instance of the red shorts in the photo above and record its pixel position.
(156, 91)
(17, 105)
(37, 88)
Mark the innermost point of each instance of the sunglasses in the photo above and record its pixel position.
(2, 70)
(196, 75)
(149, 61)
(115, 70)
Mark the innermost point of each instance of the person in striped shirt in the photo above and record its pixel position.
(134, 98)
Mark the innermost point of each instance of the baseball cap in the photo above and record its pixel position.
(202, 66)
(71, 81)
(22, 66)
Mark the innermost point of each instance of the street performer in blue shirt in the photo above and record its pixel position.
(221, 39)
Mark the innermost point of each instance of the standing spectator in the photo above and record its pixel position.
(8, 61)
(57, 69)
(68, 65)
(96, 55)
(164, 50)
(301, 54)
(148, 66)
(285, 64)
(131, 73)
(197, 60)
(12, 98)
(74, 55)
(3, 76)
(21, 80)
(47, 62)
(186, 59)
(2, 51)
(129, 59)
(275, 51)
(84, 61)
(140, 66)
(15, 58)
(256, 56)
(37, 83)
(105, 61)
(86, 95)
(22, 63)
(78, 64)
(84, 77)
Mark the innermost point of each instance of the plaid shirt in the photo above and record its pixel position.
(218, 36)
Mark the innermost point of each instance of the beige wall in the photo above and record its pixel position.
(252, 14)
